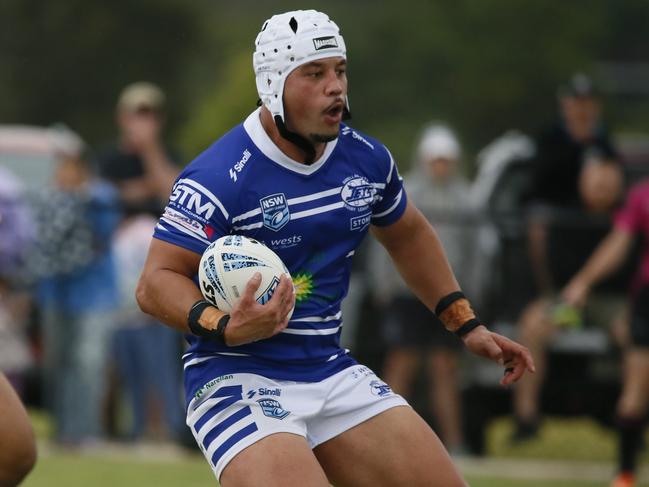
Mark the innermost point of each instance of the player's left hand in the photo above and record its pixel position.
(514, 357)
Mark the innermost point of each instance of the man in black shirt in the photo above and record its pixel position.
(139, 164)
(576, 182)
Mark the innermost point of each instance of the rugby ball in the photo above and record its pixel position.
(227, 265)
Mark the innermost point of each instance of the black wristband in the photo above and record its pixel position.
(195, 312)
(447, 300)
(467, 327)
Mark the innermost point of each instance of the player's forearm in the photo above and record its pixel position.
(167, 296)
(608, 257)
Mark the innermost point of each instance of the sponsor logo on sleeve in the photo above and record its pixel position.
(200, 228)
(187, 197)
(275, 212)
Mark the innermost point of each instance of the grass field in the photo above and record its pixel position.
(569, 453)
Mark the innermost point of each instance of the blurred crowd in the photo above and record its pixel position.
(519, 236)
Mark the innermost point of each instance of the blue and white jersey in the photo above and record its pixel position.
(313, 216)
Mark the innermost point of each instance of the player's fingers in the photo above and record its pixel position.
(281, 326)
(514, 370)
(493, 351)
(281, 292)
(251, 287)
(526, 355)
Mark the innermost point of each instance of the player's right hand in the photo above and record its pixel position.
(251, 321)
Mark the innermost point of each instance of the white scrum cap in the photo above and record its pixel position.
(287, 41)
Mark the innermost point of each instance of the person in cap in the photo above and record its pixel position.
(436, 186)
(576, 182)
(72, 263)
(141, 166)
(273, 401)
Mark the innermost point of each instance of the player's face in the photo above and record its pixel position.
(314, 99)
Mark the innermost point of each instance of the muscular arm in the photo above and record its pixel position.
(17, 445)
(418, 255)
(166, 290)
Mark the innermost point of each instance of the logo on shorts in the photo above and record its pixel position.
(272, 408)
(380, 388)
(274, 210)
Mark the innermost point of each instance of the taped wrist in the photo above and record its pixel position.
(195, 312)
(455, 311)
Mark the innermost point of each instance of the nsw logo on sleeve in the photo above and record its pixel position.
(274, 210)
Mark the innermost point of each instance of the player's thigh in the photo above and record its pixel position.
(282, 460)
(393, 448)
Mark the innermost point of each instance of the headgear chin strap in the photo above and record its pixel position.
(302, 142)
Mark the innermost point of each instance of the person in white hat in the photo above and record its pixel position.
(412, 335)
(273, 401)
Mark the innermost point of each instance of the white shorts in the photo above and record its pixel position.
(232, 412)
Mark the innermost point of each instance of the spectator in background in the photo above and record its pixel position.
(139, 164)
(73, 260)
(144, 353)
(577, 180)
(411, 331)
(16, 236)
(633, 404)
(17, 443)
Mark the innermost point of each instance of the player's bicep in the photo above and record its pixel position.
(402, 230)
(166, 256)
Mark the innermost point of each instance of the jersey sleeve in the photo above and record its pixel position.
(195, 215)
(630, 217)
(393, 202)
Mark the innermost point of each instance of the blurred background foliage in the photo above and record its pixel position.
(484, 66)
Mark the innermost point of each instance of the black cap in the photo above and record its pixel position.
(579, 85)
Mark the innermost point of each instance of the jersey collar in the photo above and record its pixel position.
(260, 138)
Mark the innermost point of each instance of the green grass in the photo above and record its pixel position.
(496, 482)
(579, 440)
(559, 439)
(67, 470)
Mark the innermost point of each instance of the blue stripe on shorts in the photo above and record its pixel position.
(227, 444)
(225, 424)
